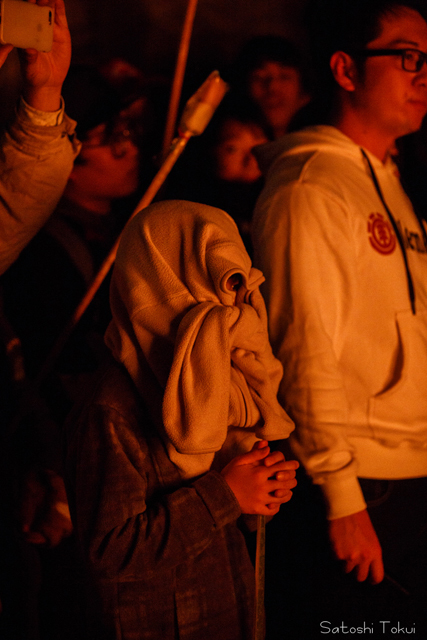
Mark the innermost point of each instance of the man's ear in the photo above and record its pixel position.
(343, 70)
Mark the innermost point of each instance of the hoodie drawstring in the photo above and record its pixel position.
(411, 289)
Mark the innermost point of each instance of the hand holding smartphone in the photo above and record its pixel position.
(26, 25)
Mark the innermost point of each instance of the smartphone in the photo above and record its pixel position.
(26, 25)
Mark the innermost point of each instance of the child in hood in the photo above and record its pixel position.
(172, 448)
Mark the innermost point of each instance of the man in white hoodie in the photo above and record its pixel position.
(345, 260)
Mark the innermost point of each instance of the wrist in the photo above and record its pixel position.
(43, 98)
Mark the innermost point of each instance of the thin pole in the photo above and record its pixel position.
(178, 80)
(259, 626)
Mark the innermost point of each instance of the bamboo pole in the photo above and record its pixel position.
(178, 80)
(195, 118)
(259, 626)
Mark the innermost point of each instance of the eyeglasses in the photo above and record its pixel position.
(117, 140)
(412, 59)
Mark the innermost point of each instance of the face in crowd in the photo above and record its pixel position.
(234, 159)
(278, 92)
(391, 89)
(382, 87)
(107, 167)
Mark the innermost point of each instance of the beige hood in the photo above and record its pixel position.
(198, 353)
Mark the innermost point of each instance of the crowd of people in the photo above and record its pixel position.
(199, 391)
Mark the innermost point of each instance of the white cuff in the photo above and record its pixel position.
(41, 118)
(343, 497)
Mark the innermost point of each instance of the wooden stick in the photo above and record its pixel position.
(259, 626)
(178, 80)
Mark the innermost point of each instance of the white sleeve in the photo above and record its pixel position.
(41, 118)
(35, 162)
(305, 248)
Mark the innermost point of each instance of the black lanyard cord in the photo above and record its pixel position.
(411, 289)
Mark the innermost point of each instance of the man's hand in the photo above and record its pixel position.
(260, 480)
(44, 72)
(355, 542)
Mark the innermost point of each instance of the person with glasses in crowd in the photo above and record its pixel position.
(345, 260)
(83, 228)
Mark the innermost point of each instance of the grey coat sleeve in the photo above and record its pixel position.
(35, 163)
(128, 523)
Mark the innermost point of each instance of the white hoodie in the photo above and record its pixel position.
(354, 353)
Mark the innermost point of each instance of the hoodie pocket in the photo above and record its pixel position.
(400, 413)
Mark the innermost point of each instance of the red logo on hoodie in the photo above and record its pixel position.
(381, 234)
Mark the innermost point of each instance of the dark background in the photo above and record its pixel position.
(147, 34)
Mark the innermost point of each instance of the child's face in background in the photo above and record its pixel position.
(278, 92)
(234, 160)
